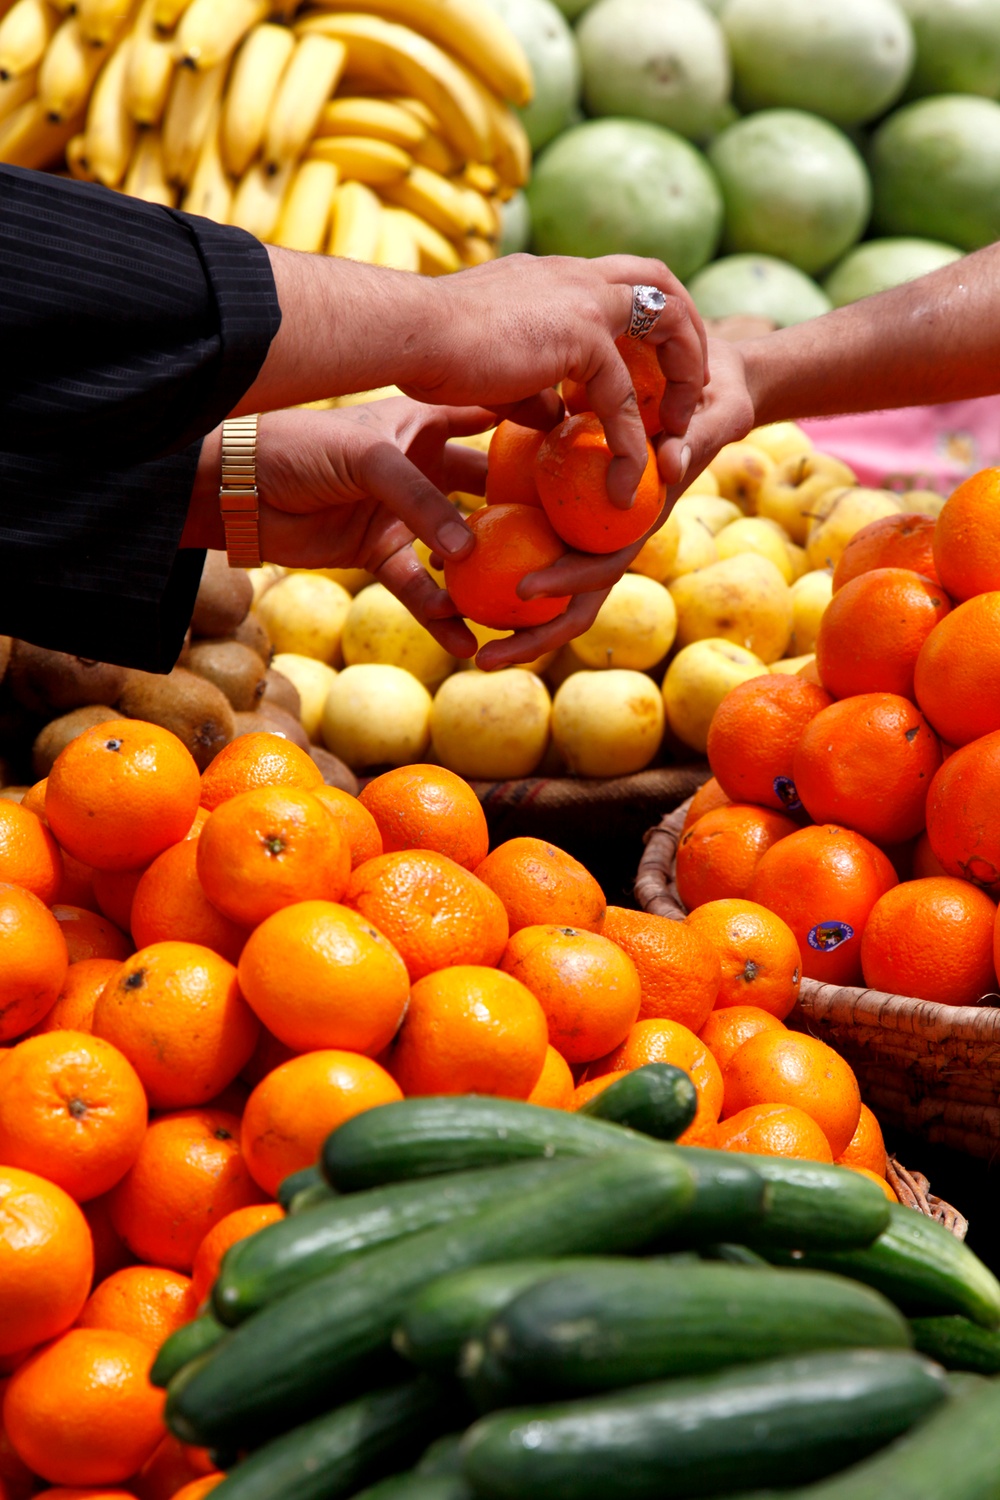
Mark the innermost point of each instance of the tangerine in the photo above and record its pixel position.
(89, 935)
(171, 1465)
(783, 1067)
(967, 537)
(873, 631)
(658, 1040)
(114, 892)
(571, 473)
(511, 542)
(932, 939)
(356, 823)
(726, 1030)
(146, 1302)
(962, 824)
(679, 970)
(29, 855)
(46, 1260)
(236, 1226)
(717, 856)
(510, 478)
(758, 952)
(866, 1147)
(428, 807)
(774, 1130)
(904, 541)
(539, 883)
(35, 960)
(648, 382)
(957, 677)
(707, 798)
(584, 1092)
(74, 1009)
(554, 1088)
(586, 984)
(252, 761)
(170, 904)
(753, 737)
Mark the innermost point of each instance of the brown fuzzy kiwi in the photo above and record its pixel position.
(185, 651)
(335, 773)
(5, 646)
(252, 632)
(191, 707)
(225, 595)
(270, 720)
(43, 680)
(56, 735)
(280, 692)
(237, 670)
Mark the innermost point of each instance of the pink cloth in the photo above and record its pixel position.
(917, 447)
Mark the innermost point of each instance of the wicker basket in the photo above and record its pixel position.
(933, 1070)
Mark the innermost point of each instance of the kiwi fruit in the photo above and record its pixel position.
(185, 651)
(237, 670)
(281, 692)
(56, 735)
(335, 773)
(224, 597)
(252, 632)
(5, 646)
(267, 719)
(189, 706)
(43, 680)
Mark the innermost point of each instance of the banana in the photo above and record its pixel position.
(67, 72)
(357, 218)
(253, 81)
(377, 117)
(110, 130)
(305, 213)
(25, 32)
(210, 191)
(102, 21)
(209, 31)
(145, 177)
(437, 256)
(483, 217)
(76, 159)
(150, 69)
(396, 247)
(435, 153)
(310, 77)
(400, 60)
(431, 197)
(258, 199)
(476, 251)
(362, 157)
(15, 92)
(192, 99)
(28, 138)
(167, 13)
(480, 177)
(511, 149)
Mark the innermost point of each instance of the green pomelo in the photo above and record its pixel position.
(958, 47)
(660, 60)
(572, 9)
(794, 187)
(845, 59)
(551, 50)
(880, 264)
(625, 187)
(757, 286)
(515, 224)
(936, 171)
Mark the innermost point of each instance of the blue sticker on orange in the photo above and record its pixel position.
(826, 936)
(787, 793)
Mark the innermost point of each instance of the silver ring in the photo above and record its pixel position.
(647, 304)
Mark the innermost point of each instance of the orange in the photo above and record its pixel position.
(320, 975)
(122, 792)
(199, 1488)
(717, 856)
(76, 888)
(35, 961)
(867, 762)
(878, 1181)
(238, 1225)
(754, 734)
(648, 381)
(189, 1174)
(967, 537)
(782, 1067)
(170, 904)
(46, 1260)
(891, 542)
(962, 824)
(257, 760)
(510, 478)
(434, 912)
(668, 1041)
(34, 799)
(554, 1087)
(872, 632)
(587, 986)
(110, 1252)
(774, 1130)
(932, 939)
(89, 935)
(924, 861)
(114, 892)
(584, 1092)
(86, 1492)
(16, 1480)
(268, 1054)
(823, 882)
(82, 1411)
(176, 1012)
(706, 799)
(539, 883)
(957, 678)
(866, 1147)
(290, 1114)
(147, 1302)
(29, 855)
(71, 1109)
(571, 472)
(511, 542)
(679, 971)
(74, 1009)
(427, 807)
(171, 1465)
(262, 850)
(726, 1030)
(470, 1030)
(356, 823)
(758, 953)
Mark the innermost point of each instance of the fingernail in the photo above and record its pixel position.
(685, 460)
(453, 537)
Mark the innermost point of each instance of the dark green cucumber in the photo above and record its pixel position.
(443, 1456)
(313, 1196)
(731, 1199)
(295, 1182)
(339, 1452)
(189, 1342)
(916, 1263)
(656, 1099)
(733, 1255)
(958, 1344)
(306, 1350)
(280, 1257)
(606, 1325)
(414, 1486)
(784, 1422)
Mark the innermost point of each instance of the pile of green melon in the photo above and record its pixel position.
(781, 156)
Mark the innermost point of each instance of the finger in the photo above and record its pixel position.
(579, 573)
(525, 645)
(637, 270)
(404, 576)
(612, 397)
(463, 468)
(389, 477)
(543, 412)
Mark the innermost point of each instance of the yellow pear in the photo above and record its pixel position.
(484, 633)
(312, 678)
(789, 495)
(380, 628)
(798, 558)
(698, 679)
(304, 613)
(696, 549)
(753, 534)
(635, 627)
(810, 595)
(351, 579)
(841, 513)
(781, 440)
(607, 723)
(922, 503)
(704, 483)
(377, 715)
(658, 553)
(743, 599)
(790, 666)
(262, 578)
(711, 510)
(491, 726)
(740, 469)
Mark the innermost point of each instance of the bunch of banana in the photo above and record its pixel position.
(378, 130)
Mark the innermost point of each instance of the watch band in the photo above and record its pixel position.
(238, 491)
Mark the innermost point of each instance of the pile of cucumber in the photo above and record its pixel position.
(553, 1306)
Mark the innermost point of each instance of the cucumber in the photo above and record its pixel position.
(603, 1326)
(656, 1099)
(295, 1182)
(958, 1344)
(784, 1422)
(282, 1256)
(442, 1457)
(731, 1199)
(916, 1263)
(187, 1343)
(313, 1196)
(733, 1255)
(339, 1452)
(304, 1352)
(414, 1486)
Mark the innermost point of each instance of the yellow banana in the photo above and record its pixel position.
(67, 72)
(305, 214)
(357, 217)
(210, 191)
(192, 100)
(433, 198)
(480, 177)
(145, 177)
(476, 251)
(253, 81)
(310, 77)
(167, 13)
(377, 117)
(76, 159)
(483, 217)
(209, 31)
(401, 61)
(510, 148)
(28, 138)
(25, 32)
(396, 247)
(102, 21)
(150, 69)
(110, 130)
(362, 157)
(437, 255)
(258, 198)
(435, 153)
(15, 92)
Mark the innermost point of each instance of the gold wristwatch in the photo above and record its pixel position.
(238, 491)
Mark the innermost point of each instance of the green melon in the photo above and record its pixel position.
(794, 187)
(515, 224)
(936, 171)
(958, 47)
(880, 264)
(847, 60)
(572, 9)
(551, 50)
(757, 286)
(624, 186)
